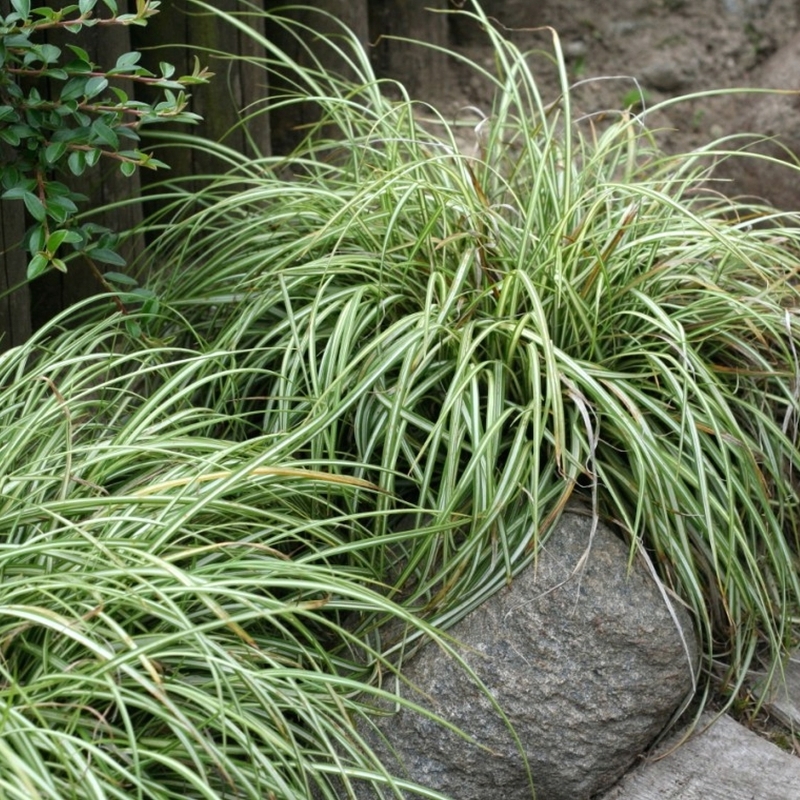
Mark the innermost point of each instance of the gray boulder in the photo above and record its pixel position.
(582, 654)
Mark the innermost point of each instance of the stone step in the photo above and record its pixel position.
(783, 701)
(723, 761)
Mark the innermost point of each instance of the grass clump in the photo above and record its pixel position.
(368, 392)
(566, 310)
(179, 612)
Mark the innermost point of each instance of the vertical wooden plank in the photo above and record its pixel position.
(237, 86)
(178, 33)
(288, 122)
(507, 16)
(15, 317)
(252, 91)
(15, 320)
(416, 66)
(159, 41)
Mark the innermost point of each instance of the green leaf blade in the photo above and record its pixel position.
(95, 86)
(37, 266)
(107, 256)
(22, 7)
(77, 162)
(53, 152)
(104, 134)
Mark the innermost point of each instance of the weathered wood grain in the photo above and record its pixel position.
(15, 322)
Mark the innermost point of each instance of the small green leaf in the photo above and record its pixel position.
(85, 6)
(11, 88)
(57, 213)
(15, 193)
(24, 131)
(127, 168)
(22, 7)
(57, 189)
(129, 19)
(7, 112)
(151, 305)
(10, 137)
(95, 85)
(77, 162)
(107, 256)
(50, 53)
(59, 264)
(165, 84)
(74, 88)
(54, 151)
(37, 266)
(47, 14)
(81, 54)
(154, 163)
(68, 135)
(128, 133)
(64, 204)
(118, 277)
(35, 206)
(73, 237)
(54, 241)
(59, 237)
(36, 236)
(127, 61)
(93, 156)
(16, 40)
(122, 97)
(93, 229)
(133, 328)
(104, 134)
(112, 6)
(167, 70)
(66, 108)
(9, 176)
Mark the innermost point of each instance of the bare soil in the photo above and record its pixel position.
(636, 53)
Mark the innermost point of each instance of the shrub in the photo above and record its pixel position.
(179, 614)
(567, 312)
(85, 118)
(367, 393)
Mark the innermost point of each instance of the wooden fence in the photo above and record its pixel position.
(23, 306)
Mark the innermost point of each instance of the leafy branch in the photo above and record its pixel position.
(87, 116)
